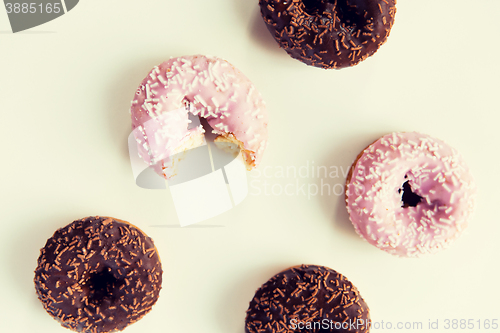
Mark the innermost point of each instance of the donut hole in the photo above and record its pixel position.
(314, 6)
(408, 197)
(101, 286)
(352, 15)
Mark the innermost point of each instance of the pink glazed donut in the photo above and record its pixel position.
(409, 194)
(204, 86)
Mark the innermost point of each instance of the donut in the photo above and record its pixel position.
(197, 86)
(98, 274)
(329, 33)
(306, 299)
(409, 194)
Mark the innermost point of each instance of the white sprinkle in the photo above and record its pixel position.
(452, 198)
(148, 107)
(256, 113)
(201, 100)
(443, 220)
(251, 142)
(233, 97)
(210, 73)
(214, 101)
(162, 80)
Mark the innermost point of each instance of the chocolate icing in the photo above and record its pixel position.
(98, 274)
(329, 33)
(304, 294)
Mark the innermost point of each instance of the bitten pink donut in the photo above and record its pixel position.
(410, 194)
(204, 86)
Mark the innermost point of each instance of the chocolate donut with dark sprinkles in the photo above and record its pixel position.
(307, 299)
(98, 274)
(329, 33)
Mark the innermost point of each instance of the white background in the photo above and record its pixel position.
(66, 88)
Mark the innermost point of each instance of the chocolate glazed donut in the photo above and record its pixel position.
(308, 299)
(329, 33)
(98, 274)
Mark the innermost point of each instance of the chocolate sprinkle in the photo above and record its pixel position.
(307, 294)
(98, 274)
(329, 33)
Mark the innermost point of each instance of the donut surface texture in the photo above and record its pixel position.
(307, 299)
(329, 33)
(410, 194)
(98, 274)
(200, 86)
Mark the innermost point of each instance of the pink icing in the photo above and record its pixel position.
(434, 170)
(206, 86)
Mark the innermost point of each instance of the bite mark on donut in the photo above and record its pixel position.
(248, 155)
(229, 143)
(206, 87)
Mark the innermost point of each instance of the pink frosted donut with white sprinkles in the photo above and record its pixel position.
(410, 194)
(204, 86)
